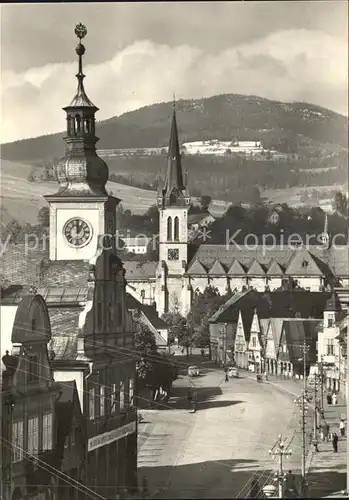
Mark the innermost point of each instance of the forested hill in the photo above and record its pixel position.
(292, 127)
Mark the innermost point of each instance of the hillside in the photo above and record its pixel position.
(300, 127)
(21, 199)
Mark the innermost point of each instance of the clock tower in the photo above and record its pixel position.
(81, 212)
(173, 203)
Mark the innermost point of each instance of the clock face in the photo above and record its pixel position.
(77, 232)
(173, 254)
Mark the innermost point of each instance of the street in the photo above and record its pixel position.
(216, 452)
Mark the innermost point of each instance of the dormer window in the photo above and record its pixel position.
(305, 263)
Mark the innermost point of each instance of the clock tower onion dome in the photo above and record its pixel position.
(81, 172)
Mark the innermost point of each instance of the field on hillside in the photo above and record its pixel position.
(23, 199)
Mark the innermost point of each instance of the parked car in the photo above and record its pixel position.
(233, 372)
(193, 371)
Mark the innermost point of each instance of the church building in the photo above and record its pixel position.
(184, 268)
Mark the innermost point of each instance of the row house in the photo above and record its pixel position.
(330, 353)
(260, 324)
(33, 460)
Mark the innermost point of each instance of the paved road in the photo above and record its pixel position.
(216, 452)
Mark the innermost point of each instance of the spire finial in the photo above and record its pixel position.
(80, 32)
(174, 101)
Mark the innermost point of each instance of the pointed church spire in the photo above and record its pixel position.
(174, 185)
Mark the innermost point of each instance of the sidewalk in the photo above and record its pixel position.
(326, 470)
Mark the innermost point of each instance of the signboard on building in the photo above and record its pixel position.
(111, 436)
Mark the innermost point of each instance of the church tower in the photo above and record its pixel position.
(81, 211)
(173, 202)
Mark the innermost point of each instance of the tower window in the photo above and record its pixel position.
(78, 123)
(169, 229)
(176, 229)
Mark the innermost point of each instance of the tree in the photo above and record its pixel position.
(205, 202)
(340, 203)
(145, 345)
(205, 304)
(44, 217)
(177, 327)
(14, 228)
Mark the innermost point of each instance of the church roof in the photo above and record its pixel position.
(320, 261)
(236, 268)
(217, 268)
(196, 267)
(275, 268)
(256, 269)
(303, 263)
(148, 310)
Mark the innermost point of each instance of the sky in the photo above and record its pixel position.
(141, 53)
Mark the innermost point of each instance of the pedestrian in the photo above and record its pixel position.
(342, 427)
(322, 434)
(202, 353)
(326, 429)
(190, 396)
(335, 442)
(329, 398)
(334, 398)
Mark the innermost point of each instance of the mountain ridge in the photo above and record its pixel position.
(293, 125)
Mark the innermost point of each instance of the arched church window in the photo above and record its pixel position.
(176, 229)
(169, 229)
(33, 325)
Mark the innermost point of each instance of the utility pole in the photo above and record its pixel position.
(301, 402)
(322, 381)
(347, 395)
(225, 343)
(280, 452)
(315, 440)
(7, 404)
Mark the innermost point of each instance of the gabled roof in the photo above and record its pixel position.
(197, 218)
(247, 318)
(217, 268)
(276, 328)
(339, 260)
(303, 263)
(256, 269)
(148, 310)
(333, 303)
(296, 331)
(236, 268)
(275, 269)
(196, 268)
(229, 311)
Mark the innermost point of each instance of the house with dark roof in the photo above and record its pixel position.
(254, 321)
(297, 335)
(329, 348)
(71, 440)
(147, 316)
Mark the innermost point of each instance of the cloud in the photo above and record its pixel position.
(285, 65)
